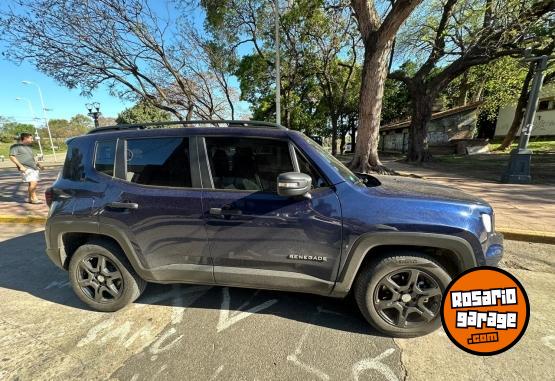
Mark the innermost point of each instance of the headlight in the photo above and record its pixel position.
(486, 220)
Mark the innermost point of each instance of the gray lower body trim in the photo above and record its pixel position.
(55, 228)
(271, 280)
(181, 273)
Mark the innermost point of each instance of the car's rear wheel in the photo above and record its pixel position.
(400, 295)
(102, 278)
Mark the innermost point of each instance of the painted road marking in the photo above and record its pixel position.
(226, 320)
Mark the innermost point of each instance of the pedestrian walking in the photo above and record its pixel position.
(22, 156)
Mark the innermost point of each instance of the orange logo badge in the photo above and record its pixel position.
(485, 311)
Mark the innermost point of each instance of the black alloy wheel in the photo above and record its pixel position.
(400, 294)
(99, 278)
(408, 298)
(102, 277)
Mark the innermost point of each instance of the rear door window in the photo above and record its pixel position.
(247, 163)
(105, 156)
(159, 161)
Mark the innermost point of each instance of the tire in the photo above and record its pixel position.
(102, 277)
(400, 295)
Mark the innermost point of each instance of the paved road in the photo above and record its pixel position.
(217, 333)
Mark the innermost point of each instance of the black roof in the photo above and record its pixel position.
(188, 123)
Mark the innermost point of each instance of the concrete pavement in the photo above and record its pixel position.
(216, 333)
(13, 195)
(523, 212)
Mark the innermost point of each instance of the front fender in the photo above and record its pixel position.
(463, 250)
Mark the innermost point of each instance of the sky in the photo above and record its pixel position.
(63, 102)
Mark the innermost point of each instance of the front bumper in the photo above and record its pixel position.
(493, 249)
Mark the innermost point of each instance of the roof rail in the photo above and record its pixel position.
(193, 123)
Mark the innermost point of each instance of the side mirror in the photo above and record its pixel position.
(292, 184)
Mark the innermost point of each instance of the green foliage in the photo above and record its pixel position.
(317, 84)
(10, 131)
(497, 84)
(142, 112)
(537, 145)
(5, 148)
(80, 123)
(396, 102)
(62, 129)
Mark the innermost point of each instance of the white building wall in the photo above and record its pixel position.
(544, 123)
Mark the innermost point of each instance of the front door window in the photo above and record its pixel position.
(247, 164)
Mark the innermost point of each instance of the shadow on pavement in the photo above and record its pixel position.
(25, 267)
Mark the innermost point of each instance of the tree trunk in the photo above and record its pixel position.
(418, 136)
(519, 111)
(477, 96)
(190, 109)
(353, 134)
(333, 135)
(287, 118)
(463, 90)
(342, 142)
(374, 73)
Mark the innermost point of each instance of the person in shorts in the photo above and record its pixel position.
(22, 156)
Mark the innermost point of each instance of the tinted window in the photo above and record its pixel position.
(247, 164)
(339, 166)
(305, 166)
(105, 156)
(73, 165)
(159, 161)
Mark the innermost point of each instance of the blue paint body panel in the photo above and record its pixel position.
(173, 237)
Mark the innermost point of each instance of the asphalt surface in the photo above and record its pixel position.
(219, 333)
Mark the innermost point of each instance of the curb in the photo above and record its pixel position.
(527, 235)
(509, 234)
(29, 219)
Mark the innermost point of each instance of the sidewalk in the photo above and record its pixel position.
(520, 210)
(13, 195)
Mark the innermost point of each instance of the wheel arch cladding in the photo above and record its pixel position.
(73, 240)
(442, 247)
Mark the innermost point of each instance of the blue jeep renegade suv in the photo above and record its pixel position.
(256, 205)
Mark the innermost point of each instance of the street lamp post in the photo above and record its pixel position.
(94, 111)
(278, 75)
(45, 116)
(32, 111)
(518, 171)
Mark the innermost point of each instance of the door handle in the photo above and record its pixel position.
(215, 211)
(225, 212)
(123, 205)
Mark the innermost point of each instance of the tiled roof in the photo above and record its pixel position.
(437, 115)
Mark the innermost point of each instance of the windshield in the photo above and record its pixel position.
(339, 166)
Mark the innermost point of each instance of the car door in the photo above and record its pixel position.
(258, 238)
(154, 201)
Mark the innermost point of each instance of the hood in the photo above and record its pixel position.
(399, 186)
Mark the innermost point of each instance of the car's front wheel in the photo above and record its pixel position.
(102, 278)
(400, 295)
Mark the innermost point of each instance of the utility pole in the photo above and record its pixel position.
(278, 78)
(45, 116)
(32, 111)
(518, 171)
